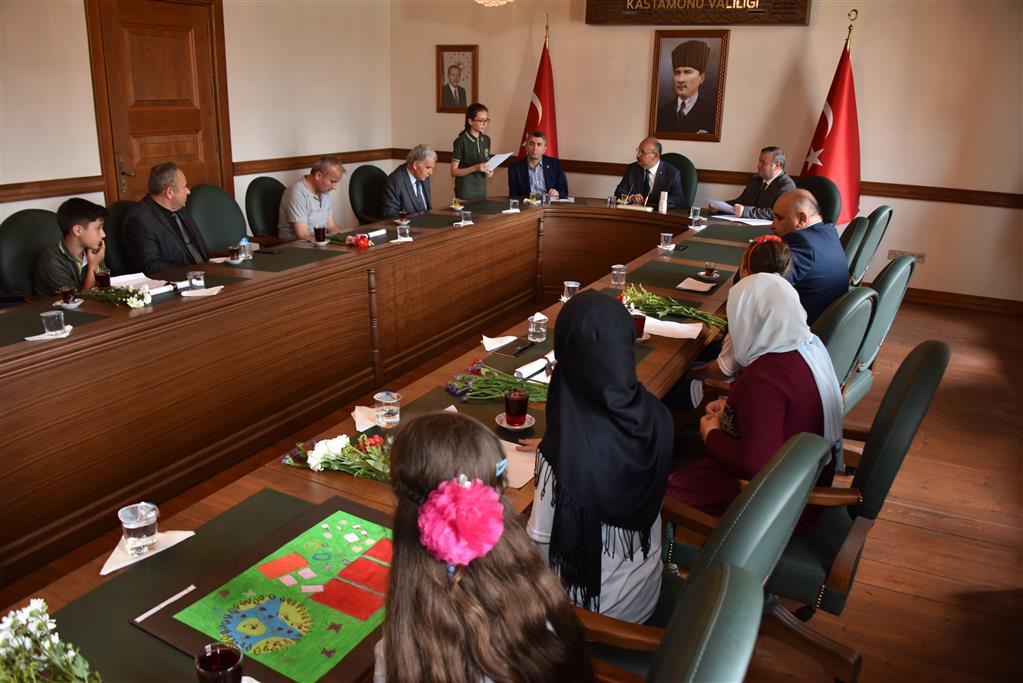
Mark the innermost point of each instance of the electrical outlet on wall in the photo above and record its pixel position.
(896, 253)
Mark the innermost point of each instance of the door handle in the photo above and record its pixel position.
(123, 174)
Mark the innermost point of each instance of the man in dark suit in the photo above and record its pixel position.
(645, 179)
(538, 172)
(452, 95)
(763, 190)
(159, 233)
(688, 112)
(819, 272)
(408, 186)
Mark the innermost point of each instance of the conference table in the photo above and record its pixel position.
(186, 387)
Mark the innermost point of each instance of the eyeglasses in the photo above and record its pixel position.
(645, 151)
(482, 122)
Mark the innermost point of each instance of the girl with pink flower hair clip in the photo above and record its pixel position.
(470, 598)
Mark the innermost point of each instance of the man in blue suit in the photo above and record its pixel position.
(408, 186)
(538, 172)
(645, 179)
(819, 272)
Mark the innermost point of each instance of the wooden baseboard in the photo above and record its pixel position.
(953, 300)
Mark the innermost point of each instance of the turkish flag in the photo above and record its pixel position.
(541, 114)
(835, 149)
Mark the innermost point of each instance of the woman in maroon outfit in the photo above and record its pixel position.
(786, 385)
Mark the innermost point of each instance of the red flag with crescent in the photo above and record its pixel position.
(835, 148)
(541, 115)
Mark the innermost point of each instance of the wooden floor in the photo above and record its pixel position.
(939, 592)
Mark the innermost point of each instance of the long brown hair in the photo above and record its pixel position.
(767, 254)
(504, 615)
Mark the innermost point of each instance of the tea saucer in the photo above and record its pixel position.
(704, 275)
(71, 306)
(530, 421)
(402, 223)
(235, 261)
(645, 337)
(322, 244)
(670, 247)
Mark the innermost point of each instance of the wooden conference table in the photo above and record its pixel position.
(251, 508)
(140, 404)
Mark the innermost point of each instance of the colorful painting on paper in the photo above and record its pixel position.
(302, 608)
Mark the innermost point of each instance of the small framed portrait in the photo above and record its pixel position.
(457, 68)
(687, 94)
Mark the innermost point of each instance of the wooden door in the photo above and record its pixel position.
(158, 62)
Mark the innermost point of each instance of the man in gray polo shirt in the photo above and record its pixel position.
(307, 205)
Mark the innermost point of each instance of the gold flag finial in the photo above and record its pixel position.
(547, 30)
(853, 13)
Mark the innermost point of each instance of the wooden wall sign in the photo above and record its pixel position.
(698, 12)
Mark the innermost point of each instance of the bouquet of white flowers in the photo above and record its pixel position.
(129, 296)
(31, 650)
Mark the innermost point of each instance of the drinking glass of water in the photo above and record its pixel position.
(138, 523)
(694, 215)
(388, 409)
(618, 274)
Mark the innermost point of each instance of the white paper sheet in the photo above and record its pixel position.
(365, 417)
(667, 328)
(744, 221)
(208, 291)
(376, 233)
(491, 343)
(46, 336)
(521, 465)
(496, 161)
(138, 280)
(529, 369)
(120, 557)
(695, 285)
(722, 206)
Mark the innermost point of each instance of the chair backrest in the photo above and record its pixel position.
(23, 236)
(263, 205)
(216, 213)
(852, 239)
(825, 192)
(877, 225)
(896, 422)
(366, 193)
(688, 171)
(757, 525)
(891, 285)
(843, 327)
(712, 630)
(115, 258)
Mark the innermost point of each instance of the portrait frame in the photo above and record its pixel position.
(466, 57)
(663, 95)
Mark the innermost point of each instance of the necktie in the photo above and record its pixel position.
(422, 195)
(192, 251)
(647, 183)
(681, 115)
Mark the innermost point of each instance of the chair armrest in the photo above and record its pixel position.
(618, 633)
(687, 517)
(834, 496)
(855, 433)
(609, 673)
(840, 574)
(717, 386)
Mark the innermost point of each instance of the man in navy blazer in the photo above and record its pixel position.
(819, 272)
(645, 179)
(537, 172)
(158, 232)
(408, 186)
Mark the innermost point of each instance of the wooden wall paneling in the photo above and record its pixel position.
(61, 187)
(374, 323)
(306, 161)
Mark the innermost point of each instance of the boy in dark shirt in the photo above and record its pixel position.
(73, 261)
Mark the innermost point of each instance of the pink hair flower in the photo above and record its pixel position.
(461, 521)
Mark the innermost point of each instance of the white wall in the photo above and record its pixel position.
(47, 119)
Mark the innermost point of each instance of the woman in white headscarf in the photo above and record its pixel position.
(786, 385)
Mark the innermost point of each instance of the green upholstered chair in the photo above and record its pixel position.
(825, 192)
(877, 225)
(852, 239)
(843, 326)
(115, 257)
(713, 629)
(263, 205)
(751, 535)
(689, 178)
(366, 193)
(218, 216)
(817, 568)
(891, 285)
(23, 236)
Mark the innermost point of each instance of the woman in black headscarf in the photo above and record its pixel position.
(602, 466)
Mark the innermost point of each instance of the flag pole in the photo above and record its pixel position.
(853, 13)
(547, 29)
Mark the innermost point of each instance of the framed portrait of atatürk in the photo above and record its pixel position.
(457, 70)
(687, 92)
